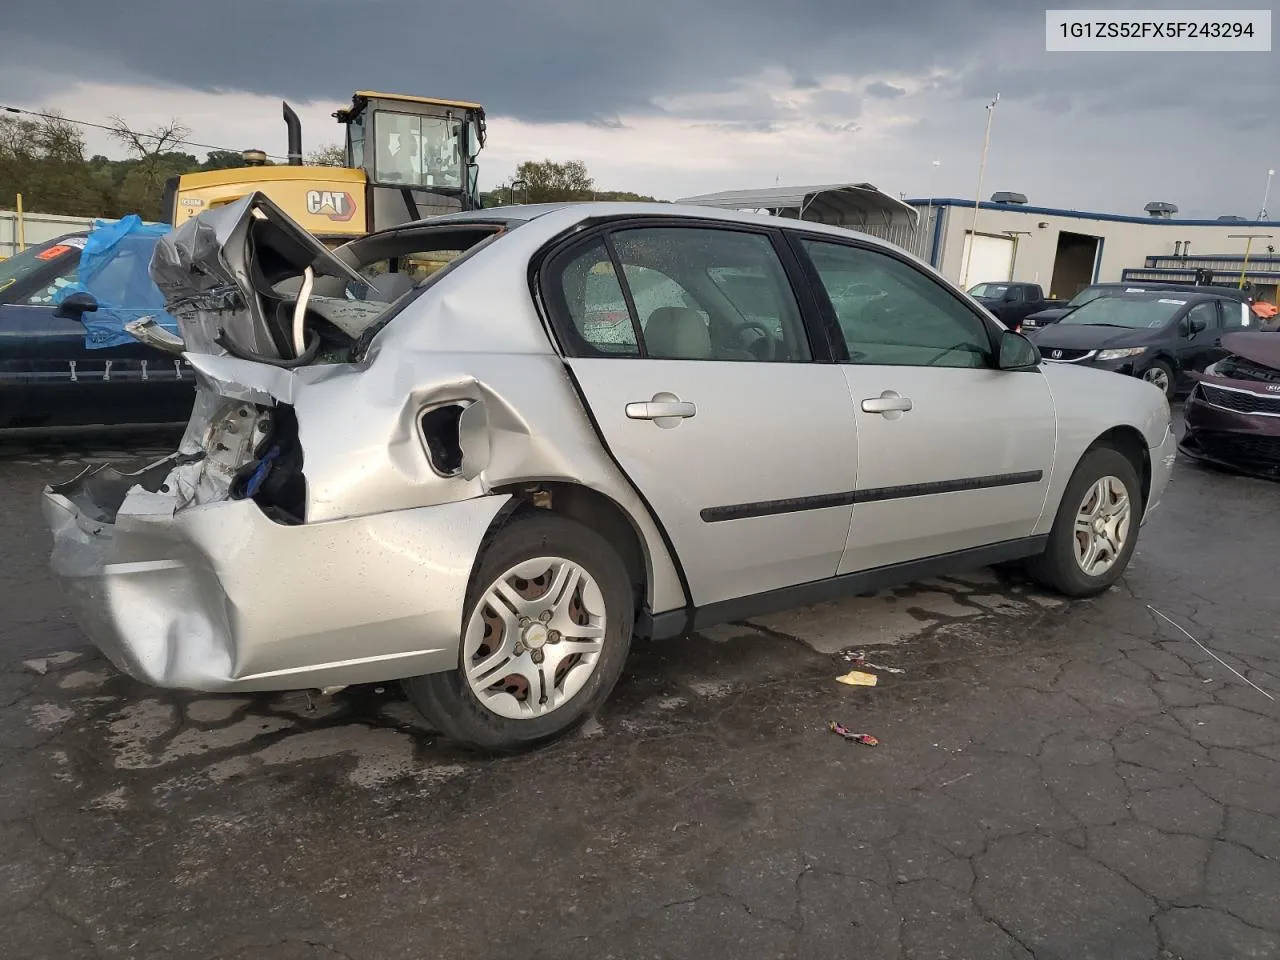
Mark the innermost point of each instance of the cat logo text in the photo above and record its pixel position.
(333, 204)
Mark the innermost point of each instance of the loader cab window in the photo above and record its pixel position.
(355, 143)
(416, 151)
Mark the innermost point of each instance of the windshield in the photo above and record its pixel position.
(33, 258)
(1126, 312)
(417, 151)
(1087, 295)
(992, 291)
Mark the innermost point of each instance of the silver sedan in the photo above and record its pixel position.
(481, 452)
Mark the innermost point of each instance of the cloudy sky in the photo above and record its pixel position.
(673, 97)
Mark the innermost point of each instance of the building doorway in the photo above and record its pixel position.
(1074, 264)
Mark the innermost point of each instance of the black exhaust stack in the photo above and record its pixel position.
(295, 135)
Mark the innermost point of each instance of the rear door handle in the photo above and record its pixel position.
(887, 402)
(657, 409)
(665, 409)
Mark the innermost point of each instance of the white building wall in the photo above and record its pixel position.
(1124, 243)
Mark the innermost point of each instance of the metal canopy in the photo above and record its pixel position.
(839, 204)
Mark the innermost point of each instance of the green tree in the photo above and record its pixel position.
(330, 155)
(223, 160)
(545, 181)
(42, 158)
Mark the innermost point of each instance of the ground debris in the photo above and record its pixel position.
(865, 739)
(856, 678)
(860, 658)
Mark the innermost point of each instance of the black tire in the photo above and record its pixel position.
(1164, 367)
(446, 699)
(1057, 568)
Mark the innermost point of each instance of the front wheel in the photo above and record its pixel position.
(1096, 529)
(1160, 374)
(545, 634)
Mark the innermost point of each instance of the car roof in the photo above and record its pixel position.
(1183, 295)
(555, 218)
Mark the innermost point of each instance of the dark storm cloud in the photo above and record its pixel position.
(552, 60)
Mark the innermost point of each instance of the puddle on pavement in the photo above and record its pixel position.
(162, 745)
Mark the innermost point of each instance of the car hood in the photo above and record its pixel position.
(1256, 346)
(1053, 314)
(1088, 337)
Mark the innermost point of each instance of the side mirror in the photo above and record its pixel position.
(1010, 295)
(1196, 325)
(76, 306)
(1017, 352)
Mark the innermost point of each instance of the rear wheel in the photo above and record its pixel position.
(1160, 374)
(1096, 528)
(545, 635)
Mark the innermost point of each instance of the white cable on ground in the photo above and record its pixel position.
(1210, 652)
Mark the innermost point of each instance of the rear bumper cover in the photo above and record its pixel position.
(218, 597)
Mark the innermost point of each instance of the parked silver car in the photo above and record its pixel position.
(486, 482)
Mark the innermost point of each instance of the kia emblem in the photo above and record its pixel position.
(1057, 354)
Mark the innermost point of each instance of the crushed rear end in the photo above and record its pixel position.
(204, 570)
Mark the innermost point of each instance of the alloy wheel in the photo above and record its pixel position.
(1157, 377)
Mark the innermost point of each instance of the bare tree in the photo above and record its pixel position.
(146, 144)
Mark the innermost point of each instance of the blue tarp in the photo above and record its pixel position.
(114, 270)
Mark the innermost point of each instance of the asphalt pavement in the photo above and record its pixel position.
(1052, 780)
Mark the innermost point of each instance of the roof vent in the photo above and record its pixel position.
(1161, 210)
(1231, 218)
(1004, 196)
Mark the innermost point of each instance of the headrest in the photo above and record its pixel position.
(677, 333)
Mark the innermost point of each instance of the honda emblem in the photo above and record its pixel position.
(1057, 354)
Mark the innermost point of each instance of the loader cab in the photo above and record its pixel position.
(418, 155)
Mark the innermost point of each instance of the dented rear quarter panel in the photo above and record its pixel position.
(474, 336)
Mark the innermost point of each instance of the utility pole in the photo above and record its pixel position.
(1262, 214)
(1248, 238)
(977, 200)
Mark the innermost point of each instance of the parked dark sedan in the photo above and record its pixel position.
(1233, 413)
(1160, 336)
(1049, 317)
(49, 376)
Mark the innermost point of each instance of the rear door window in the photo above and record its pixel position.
(596, 303)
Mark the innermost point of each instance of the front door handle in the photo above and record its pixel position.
(888, 403)
(665, 410)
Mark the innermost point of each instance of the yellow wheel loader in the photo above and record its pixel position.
(407, 158)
